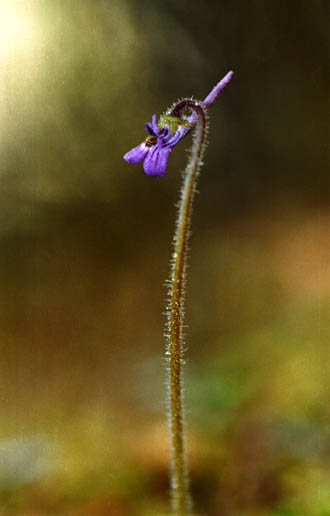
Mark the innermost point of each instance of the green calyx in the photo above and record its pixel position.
(173, 122)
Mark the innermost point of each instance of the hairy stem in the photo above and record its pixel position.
(175, 339)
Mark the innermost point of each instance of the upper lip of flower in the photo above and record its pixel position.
(164, 136)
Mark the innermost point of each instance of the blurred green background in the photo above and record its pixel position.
(85, 245)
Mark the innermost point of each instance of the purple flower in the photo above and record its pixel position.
(154, 151)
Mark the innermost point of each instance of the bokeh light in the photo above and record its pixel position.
(18, 29)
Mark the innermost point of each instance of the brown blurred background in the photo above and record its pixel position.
(85, 244)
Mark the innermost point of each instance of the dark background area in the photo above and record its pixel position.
(85, 246)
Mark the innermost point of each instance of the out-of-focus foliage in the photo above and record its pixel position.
(84, 250)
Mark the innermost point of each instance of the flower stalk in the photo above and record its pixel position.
(175, 339)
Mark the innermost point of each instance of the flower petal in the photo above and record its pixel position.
(156, 161)
(163, 135)
(137, 154)
(154, 125)
(169, 140)
(148, 127)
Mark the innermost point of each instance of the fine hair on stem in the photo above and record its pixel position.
(180, 495)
